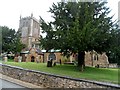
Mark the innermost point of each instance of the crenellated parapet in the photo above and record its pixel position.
(30, 30)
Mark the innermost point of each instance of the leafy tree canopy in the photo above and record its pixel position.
(10, 40)
(79, 27)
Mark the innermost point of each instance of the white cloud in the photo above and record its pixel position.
(114, 8)
(10, 10)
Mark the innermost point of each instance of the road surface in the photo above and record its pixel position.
(7, 84)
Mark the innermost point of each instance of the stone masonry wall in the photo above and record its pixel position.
(51, 81)
(101, 59)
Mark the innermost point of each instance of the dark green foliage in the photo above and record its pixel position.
(10, 40)
(79, 27)
(114, 52)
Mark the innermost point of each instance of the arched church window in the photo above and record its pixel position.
(94, 57)
(52, 56)
(97, 57)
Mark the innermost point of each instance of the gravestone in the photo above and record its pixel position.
(19, 58)
(5, 59)
(49, 63)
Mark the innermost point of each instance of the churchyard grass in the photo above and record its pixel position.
(90, 73)
(10, 60)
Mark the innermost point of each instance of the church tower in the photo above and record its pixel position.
(29, 28)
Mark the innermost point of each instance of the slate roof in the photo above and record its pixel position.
(39, 51)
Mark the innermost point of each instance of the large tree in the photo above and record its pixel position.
(10, 40)
(79, 27)
(114, 52)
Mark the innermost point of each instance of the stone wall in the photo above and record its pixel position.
(91, 58)
(59, 57)
(95, 59)
(113, 65)
(51, 81)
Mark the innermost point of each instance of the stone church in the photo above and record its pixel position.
(29, 28)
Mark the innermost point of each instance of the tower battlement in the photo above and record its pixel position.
(30, 31)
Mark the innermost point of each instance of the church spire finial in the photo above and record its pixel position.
(31, 14)
(20, 17)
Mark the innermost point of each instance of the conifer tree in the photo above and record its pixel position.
(79, 27)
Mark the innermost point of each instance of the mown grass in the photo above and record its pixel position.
(90, 73)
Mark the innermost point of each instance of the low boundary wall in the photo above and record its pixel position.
(48, 80)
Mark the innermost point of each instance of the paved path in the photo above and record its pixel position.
(14, 83)
(7, 84)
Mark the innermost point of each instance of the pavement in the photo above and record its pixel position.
(7, 84)
(20, 83)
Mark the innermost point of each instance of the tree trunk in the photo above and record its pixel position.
(81, 62)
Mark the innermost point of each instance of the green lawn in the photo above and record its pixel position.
(90, 73)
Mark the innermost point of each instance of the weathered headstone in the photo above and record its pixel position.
(49, 63)
(19, 58)
(5, 59)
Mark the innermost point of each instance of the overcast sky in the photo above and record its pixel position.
(10, 10)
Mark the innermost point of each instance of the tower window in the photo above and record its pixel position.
(94, 57)
(32, 45)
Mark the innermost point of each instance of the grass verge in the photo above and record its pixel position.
(90, 73)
